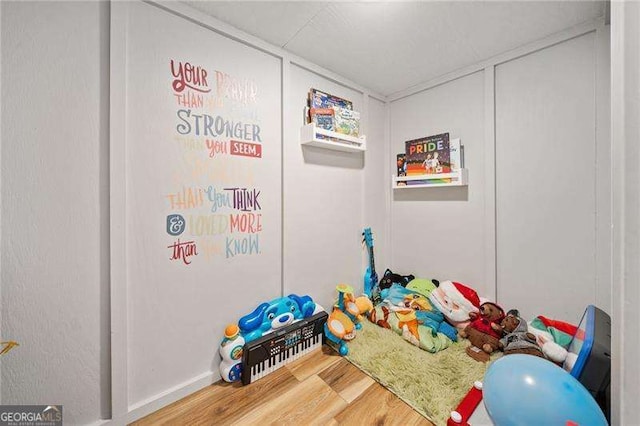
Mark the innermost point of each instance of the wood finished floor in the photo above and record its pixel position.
(320, 389)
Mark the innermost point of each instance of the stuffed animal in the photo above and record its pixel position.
(275, 314)
(345, 318)
(517, 340)
(390, 278)
(484, 331)
(422, 286)
(456, 302)
(549, 347)
(553, 337)
(356, 308)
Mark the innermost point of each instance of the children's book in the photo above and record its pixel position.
(323, 118)
(428, 155)
(401, 164)
(346, 121)
(455, 154)
(306, 115)
(319, 99)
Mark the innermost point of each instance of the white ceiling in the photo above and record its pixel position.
(391, 46)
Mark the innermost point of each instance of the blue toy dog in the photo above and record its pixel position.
(275, 314)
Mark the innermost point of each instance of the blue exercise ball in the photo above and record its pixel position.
(528, 390)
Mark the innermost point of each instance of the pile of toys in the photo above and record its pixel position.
(484, 323)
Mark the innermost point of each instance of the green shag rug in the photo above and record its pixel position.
(433, 384)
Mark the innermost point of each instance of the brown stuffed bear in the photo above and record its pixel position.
(484, 331)
(517, 340)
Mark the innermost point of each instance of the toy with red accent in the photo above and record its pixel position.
(462, 413)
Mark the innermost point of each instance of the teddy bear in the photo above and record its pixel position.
(484, 331)
(516, 339)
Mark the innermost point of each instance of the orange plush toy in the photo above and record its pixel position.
(345, 318)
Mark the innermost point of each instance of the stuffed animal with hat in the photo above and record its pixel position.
(484, 331)
(456, 302)
(517, 339)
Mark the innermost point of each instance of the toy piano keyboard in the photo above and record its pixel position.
(274, 350)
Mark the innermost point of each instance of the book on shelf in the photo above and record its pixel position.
(432, 181)
(323, 118)
(401, 167)
(320, 99)
(428, 155)
(346, 121)
(332, 113)
(456, 154)
(429, 181)
(431, 155)
(401, 164)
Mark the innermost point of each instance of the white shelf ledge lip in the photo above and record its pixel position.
(339, 142)
(458, 178)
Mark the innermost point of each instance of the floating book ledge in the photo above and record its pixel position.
(456, 178)
(311, 135)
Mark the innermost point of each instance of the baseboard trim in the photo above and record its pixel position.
(145, 407)
(149, 405)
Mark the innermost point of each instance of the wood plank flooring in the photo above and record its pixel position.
(320, 389)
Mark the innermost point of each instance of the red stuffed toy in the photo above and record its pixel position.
(484, 331)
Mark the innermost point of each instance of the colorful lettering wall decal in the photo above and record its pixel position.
(214, 207)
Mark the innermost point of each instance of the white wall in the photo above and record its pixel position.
(54, 186)
(54, 183)
(377, 188)
(546, 177)
(55, 217)
(322, 191)
(165, 298)
(326, 201)
(625, 126)
(439, 232)
(499, 235)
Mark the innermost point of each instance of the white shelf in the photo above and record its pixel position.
(309, 136)
(458, 178)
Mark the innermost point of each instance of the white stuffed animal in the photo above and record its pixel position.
(550, 349)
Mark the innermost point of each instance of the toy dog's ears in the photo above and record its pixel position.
(300, 300)
(253, 321)
(305, 304)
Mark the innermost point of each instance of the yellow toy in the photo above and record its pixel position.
(345, 318)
